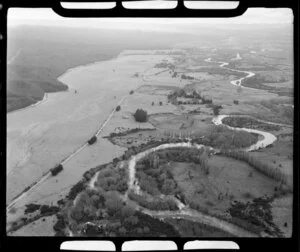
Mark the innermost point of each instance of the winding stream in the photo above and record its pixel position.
(268, 138)
(184, 212)
(237, 82)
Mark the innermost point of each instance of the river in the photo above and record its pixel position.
(237, 82)
(56, 130)
(37, 132)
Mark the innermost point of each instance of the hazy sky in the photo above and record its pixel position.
(42, 16)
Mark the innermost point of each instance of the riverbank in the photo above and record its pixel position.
(60, 79)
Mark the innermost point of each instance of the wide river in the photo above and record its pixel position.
(42, 136)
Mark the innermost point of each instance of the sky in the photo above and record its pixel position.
(43, 16)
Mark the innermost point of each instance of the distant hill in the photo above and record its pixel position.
(38, 55)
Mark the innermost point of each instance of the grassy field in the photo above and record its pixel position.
(228, 180)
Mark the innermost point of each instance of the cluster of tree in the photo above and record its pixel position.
(112, 180)
(223, 138)
(187, 77)
(257, 215)
(77, 188)
(92, 140)
(246, 122)
(49, 210)
(194, 102)
(127, 132)
(44, 209)
(157, 181)
(182, 93)
(149, 226)
(194, 95)
(155, 204)
(216, 109)
(60, 225)
(91, 172)
(155, 176)
(160, 103)
(164, 65)
(144, 146)
(31, 208)
(139, 225)
(91, 205)
(193, 229)
(141, 115)
(54, 171)
(120, 219)
(265, 168)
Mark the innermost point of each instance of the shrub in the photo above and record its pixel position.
(156, 204)
(141, 115)
(49, 209)
(92, 140)
(160, 103)
(131, 92)
(113, 204)
(221, 137)
(246, 122)
(131, 220)
(30, 208)
(59, 225)
(118, 108)
(56, 170)
(79, 187)
(236, 102)
(216, 109)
